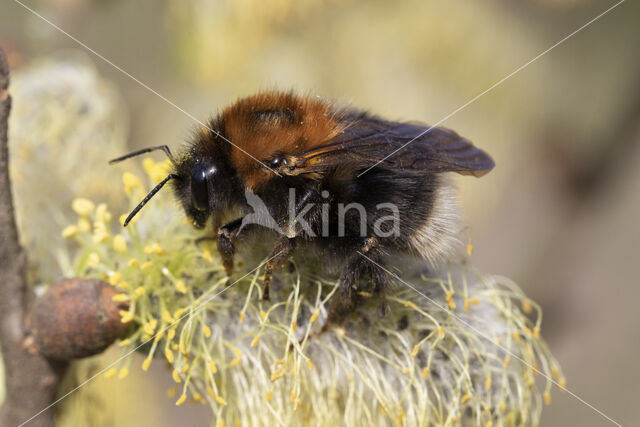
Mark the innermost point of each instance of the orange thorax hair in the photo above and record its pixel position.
(269, 124)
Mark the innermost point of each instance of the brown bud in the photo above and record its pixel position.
(76, 318)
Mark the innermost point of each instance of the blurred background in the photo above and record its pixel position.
(558, 214)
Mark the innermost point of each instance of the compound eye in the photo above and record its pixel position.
(200, 186)
(278, 161)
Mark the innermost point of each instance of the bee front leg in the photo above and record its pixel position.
(227, 235)
(279, 255)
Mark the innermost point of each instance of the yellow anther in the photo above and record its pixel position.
(146, 363)
(255, 340)
(212, 367)
(84, 225)
(181, 399)
(70, 231)
(131, 182)
(168, 354)
(115, 278)
(120, 298)
(140, 291)
(123, 373)
(125, 316)
(180, 286)
(111, 372)
(416, 349)
(82, 207)
(176, 376)
(119, 243)
(93, 260)
(314, 316)
(166, 316)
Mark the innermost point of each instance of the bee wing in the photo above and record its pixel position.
(404, 146)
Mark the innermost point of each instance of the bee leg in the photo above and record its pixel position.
(227, 235)
(279, 255)
(359, 264)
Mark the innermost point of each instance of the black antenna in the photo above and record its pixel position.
(148, 197)
(143, 151)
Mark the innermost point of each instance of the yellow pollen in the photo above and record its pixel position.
(123, 373)
(213, 367)
(171, 334)
(169, 355)
(93, 260)
(166, 316)
(182, 399)
(254, 341)
(180, 286)
(125, 316)
(416, 349)
(131, 182)
(119, 243)
(176, 376)
(146, 363)
(82, 207)
(84, 225)
(120, 298)
(206, 330)
(69, 231)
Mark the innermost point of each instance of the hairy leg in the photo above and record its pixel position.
(279, 255)
(362, 263)
(227, 236)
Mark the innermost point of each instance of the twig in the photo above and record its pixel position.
(30, 380)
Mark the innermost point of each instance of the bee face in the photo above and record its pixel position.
(207, 183)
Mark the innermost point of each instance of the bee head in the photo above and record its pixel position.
(207, 184)
(203, 178)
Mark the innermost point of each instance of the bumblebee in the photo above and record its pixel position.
(354, 186)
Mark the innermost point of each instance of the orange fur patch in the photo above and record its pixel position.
(271, 123)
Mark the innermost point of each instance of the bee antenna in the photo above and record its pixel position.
(149, 196)
(144, 151)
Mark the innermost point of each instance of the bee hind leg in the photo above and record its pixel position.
(366, 261)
